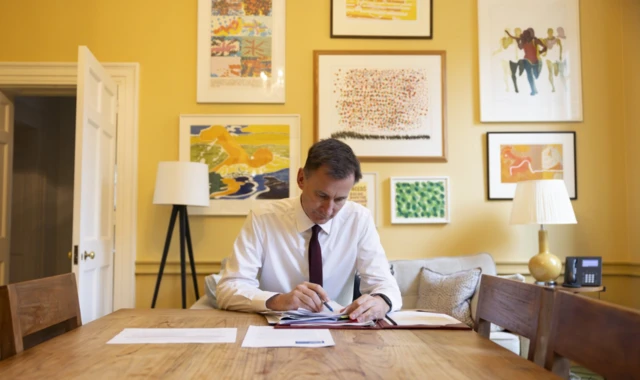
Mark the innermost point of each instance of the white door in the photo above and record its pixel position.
(93, 198)
(6, 169)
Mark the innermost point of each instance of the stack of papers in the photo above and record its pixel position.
(267, 336)
(310, 318)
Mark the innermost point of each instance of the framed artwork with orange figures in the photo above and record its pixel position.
(382, 19)
(388, 106)
(251, 158)
(520, 156)
(241, 51)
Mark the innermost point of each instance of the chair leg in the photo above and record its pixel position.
(165, 252)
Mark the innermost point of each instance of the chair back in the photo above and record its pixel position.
(603, 337)
(517, 307)
(34, 311)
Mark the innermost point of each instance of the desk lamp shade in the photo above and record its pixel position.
(543, 202)
(182, 183)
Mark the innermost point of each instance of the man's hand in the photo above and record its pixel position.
(307, 295)
(367, 308)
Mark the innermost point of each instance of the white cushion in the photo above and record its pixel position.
(507, 340)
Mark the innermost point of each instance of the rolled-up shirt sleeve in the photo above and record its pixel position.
(373, 266)
(238, 289)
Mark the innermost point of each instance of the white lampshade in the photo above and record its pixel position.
(542, 202)
(182, 183)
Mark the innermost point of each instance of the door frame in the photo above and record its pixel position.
(57, 77)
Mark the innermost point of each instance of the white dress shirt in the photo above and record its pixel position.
(270, 256)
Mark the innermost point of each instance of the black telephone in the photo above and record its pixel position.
(582, 271)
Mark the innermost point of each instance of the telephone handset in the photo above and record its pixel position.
(582, 271)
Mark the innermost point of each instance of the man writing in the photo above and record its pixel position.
(300, 252)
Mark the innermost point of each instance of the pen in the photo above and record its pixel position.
(327, 305)
(309, 341)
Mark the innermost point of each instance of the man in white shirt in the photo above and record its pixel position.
(272, 266)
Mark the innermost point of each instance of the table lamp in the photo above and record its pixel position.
(543, 202)
(180, 184)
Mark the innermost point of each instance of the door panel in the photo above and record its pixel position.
(94, 186)
(6, 168)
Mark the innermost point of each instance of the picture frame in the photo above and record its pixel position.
(365, 192)
(548, 83)
(420, 200)
(389, 106)
(241, 51)
(519, 156)
(252, 158)
(410, 19)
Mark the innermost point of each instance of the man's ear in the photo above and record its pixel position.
(300, 178)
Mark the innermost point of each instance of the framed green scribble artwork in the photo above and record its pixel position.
(388, 106)
(420, 200)
(251, 158)
(241, 51)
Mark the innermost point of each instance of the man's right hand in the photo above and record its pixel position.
(307, 295)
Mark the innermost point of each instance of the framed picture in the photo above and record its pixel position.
(241, 49)
(521, 156)
(387, 105)
(251, 158)
(420, 200)
(529, 60)
(364, 192)
(382, 19)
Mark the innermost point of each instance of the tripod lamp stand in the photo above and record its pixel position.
(180, 184)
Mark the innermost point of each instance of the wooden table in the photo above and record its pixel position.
(83, 353)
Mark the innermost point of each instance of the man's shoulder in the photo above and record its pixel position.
(274, 208)
(354, 211)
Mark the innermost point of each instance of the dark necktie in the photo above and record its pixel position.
(315, 257)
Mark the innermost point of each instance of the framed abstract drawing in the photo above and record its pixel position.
(529, 53)
(251, 158)
(364, 192)
(522, 156)
(241, 50)
(387, 105)
(382, 19)
(420, 200)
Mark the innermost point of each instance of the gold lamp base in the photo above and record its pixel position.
(545, 266)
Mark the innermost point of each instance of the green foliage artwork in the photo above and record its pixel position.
(420, 200)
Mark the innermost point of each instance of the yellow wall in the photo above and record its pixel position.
(161, 36)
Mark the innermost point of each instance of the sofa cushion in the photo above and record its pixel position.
(407, 273)
(448, 293)
(507, 340)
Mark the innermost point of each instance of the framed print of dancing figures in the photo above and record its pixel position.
(529, 61)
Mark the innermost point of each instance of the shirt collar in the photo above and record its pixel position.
(303, 223)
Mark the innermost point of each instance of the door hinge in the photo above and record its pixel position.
(75, 255)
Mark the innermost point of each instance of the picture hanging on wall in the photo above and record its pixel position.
(529, 55)
(241, 51)
(387, 105)
(520, 156)
(382, 19)
(251, 158)
(364, 193)
(420, 200)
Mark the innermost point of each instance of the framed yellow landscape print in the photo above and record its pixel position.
(251, 158)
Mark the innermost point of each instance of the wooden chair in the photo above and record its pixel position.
(34, 311)
(518, 307)
(603, 337)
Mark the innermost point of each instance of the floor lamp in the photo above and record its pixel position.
(180, 184)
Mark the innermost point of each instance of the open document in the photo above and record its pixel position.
(310, 318)
(267, 336)
(174, 335)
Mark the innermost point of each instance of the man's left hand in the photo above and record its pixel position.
(367, 308)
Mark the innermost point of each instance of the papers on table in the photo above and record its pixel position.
(267, 336)
(310, 318)
(171, 335)
(418, 318)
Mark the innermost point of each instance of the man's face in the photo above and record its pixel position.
(322, 195)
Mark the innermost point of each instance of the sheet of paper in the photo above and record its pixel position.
(406, 317)
(267, 336)
(169, 335)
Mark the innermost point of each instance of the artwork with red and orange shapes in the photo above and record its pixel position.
(528, 162)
